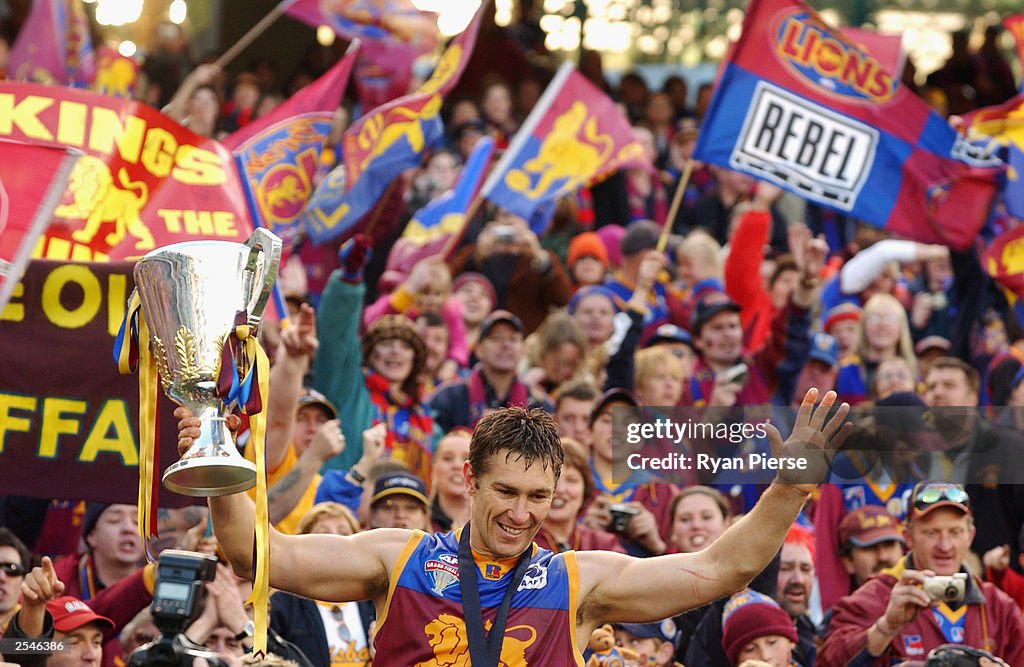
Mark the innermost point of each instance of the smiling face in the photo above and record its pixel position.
(393, 359)
(569, 493)
(449, 459)
(476, 302)
(501, 349)
(562, 362)
(510, 502)
(698, 521)
(721, 339)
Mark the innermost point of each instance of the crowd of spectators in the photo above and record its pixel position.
(379, 380)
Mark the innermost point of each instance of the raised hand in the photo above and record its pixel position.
(300, 340)
(803, 459)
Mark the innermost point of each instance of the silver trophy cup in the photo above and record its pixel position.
(190, 295)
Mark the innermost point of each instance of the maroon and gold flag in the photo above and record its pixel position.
(143, 182)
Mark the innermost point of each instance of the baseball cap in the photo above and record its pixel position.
(709, 305)
(932, 343)
(825, 349)
(670, 333)
(313, 397)
(665, 631)
(70, 613)
(928, 496)
(497, 317)
(869, 525)
(400, 483)
(614, 395)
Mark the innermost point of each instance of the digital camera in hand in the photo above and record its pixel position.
(621, 516)
(178, 598)
(949, 588)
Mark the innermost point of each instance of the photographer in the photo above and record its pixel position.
(909, 609)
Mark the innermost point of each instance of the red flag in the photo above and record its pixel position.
(27, 202)
(54, 45)
(116, 75)
(1014, 24)
(886, 49)
(144, 180)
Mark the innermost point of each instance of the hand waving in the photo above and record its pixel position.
(804, 457)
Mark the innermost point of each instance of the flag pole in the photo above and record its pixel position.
(253, 33)
(673, 210)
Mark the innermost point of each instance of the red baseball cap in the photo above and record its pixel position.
(70, 613)
(870, 525)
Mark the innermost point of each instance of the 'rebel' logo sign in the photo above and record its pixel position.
(812, 50)
(810, 149)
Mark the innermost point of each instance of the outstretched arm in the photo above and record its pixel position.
(620, 588)
(324, 567)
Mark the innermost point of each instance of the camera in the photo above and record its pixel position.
(621, 516)
(737, 374)
(938, 301)
(949, 588)
(504, 234)
(178, 597)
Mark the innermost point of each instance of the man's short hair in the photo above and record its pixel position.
(9, 539)
(527, 435)
(578, 390)
(973, 378)
(640, 236)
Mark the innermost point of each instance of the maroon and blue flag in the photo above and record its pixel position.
(574, 135)
(54, 46)
(383, 143)
(802, 106)
(391, 21)
(279, 154)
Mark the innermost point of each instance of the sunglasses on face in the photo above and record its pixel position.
(13, 569)
(934, 493)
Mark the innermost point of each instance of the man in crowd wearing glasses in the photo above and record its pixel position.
(909, 609)
(13, 567)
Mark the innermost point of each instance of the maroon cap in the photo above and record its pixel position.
(71, 613)
(869, 525)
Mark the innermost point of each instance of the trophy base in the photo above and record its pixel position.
(203, 477)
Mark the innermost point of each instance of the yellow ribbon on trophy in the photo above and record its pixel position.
(132, 352)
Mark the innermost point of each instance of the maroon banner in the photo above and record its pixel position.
(68, 420)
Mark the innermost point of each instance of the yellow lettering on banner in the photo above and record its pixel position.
(111, 433)
(117, 297)
(107, 129)
(158, 152)
(55, 424)
(71, 126)
(10, 423)
(224, 224)
(198, 166)
(198, 222)
(171, 218)
(14, 311)
(54, 286)
(23, 115)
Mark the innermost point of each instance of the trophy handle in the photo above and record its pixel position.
(264, 272)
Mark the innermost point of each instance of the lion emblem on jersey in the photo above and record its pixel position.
(448, 640)
(97, 199)
(564, 155)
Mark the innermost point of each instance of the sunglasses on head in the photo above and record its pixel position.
(13, 570)
(930, 494)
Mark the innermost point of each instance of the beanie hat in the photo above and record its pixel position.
(611, 237)
(395, 327)
(595, 290)
(93, 511)
(474, 277)
(749, 615)
(587, 244)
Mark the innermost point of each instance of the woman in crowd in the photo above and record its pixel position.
(885, 333)
(477, 296)
(449, 508)
(556, 352)
(561, 530)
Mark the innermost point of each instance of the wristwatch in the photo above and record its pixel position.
(248, 630)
